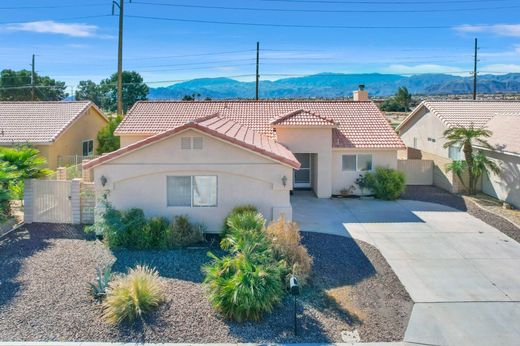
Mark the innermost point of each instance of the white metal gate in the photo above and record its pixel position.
(52, 201)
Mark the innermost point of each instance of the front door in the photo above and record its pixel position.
(302, 177)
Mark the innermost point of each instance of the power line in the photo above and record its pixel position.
(296, 25)
(50, 6)
(56, 19)
(256, 9)
(383, 2)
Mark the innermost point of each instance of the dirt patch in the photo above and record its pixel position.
(45, 271)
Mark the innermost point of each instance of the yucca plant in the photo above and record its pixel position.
(133, 295)
(241, 289)
(98, 288)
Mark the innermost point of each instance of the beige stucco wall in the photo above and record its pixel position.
(425, 125)
(343, 179)
(70, 142)
(315, 141)
(138, 180)
(130, 139)
(505, 185)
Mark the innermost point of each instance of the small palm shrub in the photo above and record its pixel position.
(184, 233)
(248, 220)
(285, 239)
(133, 295)
(241, 289)
(238, 210)
(386, 183)
(98, 288)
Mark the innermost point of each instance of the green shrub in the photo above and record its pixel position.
(386, 183)
(241, 289)
(160, 231)
(133, 295)
(239, 209)
(184, 233)
(98, 289)
(248, 220)
(136, 231)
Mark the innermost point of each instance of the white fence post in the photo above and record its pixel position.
(75, 198)
(28, 201)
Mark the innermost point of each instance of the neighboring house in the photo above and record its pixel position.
(423, 133)
(204, 158)
(63, 132)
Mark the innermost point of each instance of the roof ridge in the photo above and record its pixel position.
(291, 114)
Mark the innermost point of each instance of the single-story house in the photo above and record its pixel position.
(423, 133)
(203, 158)
(63, 132)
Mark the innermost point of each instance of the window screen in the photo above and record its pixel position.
(364, 162)
(349, 162)
(204, 191)
(186, 143)
(197, 143)
(179, 191)
(454, 152)
(88, 148)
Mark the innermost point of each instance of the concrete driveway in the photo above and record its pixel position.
(463, 274)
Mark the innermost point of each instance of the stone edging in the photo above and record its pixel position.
(14, 228)
(495, 214)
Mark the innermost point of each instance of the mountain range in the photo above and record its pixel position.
(335, 85)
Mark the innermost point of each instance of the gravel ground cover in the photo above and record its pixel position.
(436, 195)
(45, 269)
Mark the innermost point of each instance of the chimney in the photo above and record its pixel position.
(361, 94)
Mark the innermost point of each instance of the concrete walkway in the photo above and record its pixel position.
(463, 274)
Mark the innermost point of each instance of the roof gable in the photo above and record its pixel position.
(463, 113)
(302, 117)
(220, 128)
(39, 122)
(359, 124)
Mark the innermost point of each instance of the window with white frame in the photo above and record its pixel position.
(88, 147)
(454, 152)
(192, 191)
(357, 163)
(188, 143)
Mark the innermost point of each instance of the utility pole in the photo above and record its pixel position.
(257, 67)
(120, 4)
(33, 80)
(475, 72)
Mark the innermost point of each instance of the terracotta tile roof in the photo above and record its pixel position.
(361, 124)
(505, 128)
(37, 122)
(219, 127)
(302, 117)
(464, 113)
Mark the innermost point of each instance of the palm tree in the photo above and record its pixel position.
(26, 160)
(466, 137)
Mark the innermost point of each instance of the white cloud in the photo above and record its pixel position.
(424, 68)
(52, 27)
(512, 30)
(499, 69)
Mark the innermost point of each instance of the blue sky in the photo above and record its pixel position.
(77, 40)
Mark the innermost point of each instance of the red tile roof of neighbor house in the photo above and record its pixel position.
(219, 127)
(360, 124)
(37, 122)
(464, 113)
(302, 117)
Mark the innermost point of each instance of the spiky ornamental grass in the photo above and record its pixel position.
(133, 295)
(241, 289)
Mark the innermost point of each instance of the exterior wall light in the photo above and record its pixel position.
(284, 181)
(103, 180)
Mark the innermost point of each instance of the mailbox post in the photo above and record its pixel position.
(295, 291)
